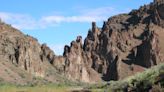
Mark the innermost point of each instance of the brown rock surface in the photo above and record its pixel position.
(22, 58)
(126, 44)
(75, 64)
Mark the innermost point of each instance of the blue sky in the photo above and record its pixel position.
(58, 22)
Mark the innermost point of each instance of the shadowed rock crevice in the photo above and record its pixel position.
(160, 11)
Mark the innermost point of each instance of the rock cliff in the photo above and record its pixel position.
(23, 59)
(125, 45)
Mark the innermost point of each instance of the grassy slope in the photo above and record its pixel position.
(43, 88)
(141, 81)
(51, 87)
(152, 78)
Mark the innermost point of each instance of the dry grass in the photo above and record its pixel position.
(143, 80)
(45, 88)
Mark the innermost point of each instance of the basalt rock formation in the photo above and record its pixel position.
(23, 59)
(126, 44)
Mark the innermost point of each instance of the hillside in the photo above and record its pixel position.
(151, 80)
(23, 60)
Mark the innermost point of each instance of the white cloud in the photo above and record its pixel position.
(87, 15)
(59, 19)
(18, 20)
(24, 21)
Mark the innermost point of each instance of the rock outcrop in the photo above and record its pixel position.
(22, 58)
(126, 44)
(75, 64)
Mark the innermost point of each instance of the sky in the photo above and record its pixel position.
(58, 22)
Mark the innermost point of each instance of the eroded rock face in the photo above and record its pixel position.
(159, 7)
(24, 53)
(75, 63)
(126, 44)
(21, 50)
